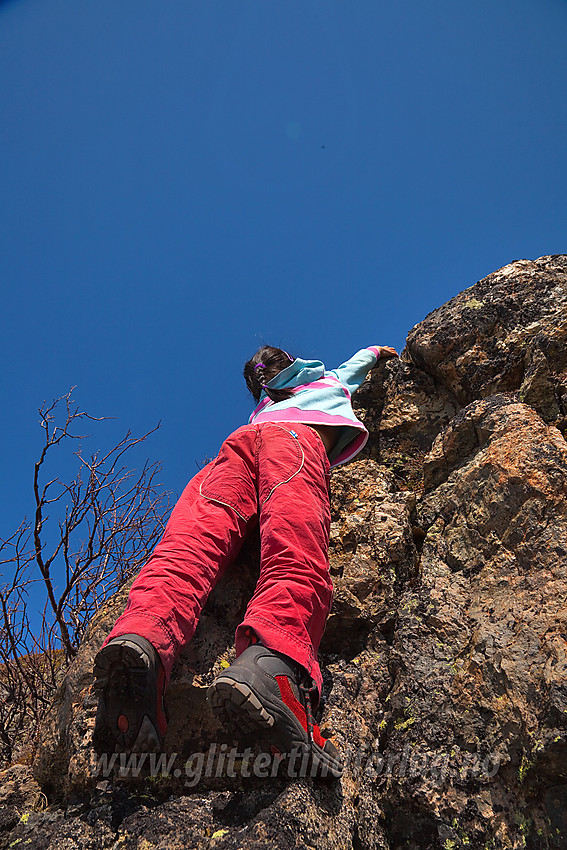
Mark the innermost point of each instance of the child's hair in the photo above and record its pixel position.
(262, 367)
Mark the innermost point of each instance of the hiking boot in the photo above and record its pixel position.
(268, 693)
(129, 684)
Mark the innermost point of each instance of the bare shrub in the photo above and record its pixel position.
(86, 539)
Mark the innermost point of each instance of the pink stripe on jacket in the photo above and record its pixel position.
(322, 397)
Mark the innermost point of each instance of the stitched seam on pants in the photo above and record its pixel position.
(226, 504)
(161, 623)
(272, 625)
(287, 480)
(321, 446)
(213, 498)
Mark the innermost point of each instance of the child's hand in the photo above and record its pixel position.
(387, 351)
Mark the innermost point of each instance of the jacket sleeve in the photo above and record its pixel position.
(352, 373)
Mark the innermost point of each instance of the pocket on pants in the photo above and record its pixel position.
(281, 459)
(231, 477)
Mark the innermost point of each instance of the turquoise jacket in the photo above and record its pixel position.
(321, 398)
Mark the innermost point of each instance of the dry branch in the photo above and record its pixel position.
(101, 527)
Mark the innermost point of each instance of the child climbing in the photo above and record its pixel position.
(274, 472)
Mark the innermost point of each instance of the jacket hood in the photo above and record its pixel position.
(297, 373)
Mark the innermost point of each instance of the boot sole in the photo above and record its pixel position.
(237, 705)
(117, 667)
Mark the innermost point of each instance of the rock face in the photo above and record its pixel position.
(445, 655)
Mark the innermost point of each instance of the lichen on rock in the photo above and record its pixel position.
(445, 655)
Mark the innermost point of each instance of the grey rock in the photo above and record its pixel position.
(445, 656)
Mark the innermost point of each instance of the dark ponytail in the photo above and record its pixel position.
(262, 367)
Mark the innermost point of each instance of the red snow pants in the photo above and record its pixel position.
(275, 474)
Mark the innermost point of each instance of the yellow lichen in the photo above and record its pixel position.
(402, 725)
(524, 767)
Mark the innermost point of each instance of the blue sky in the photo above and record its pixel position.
(182, 180)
